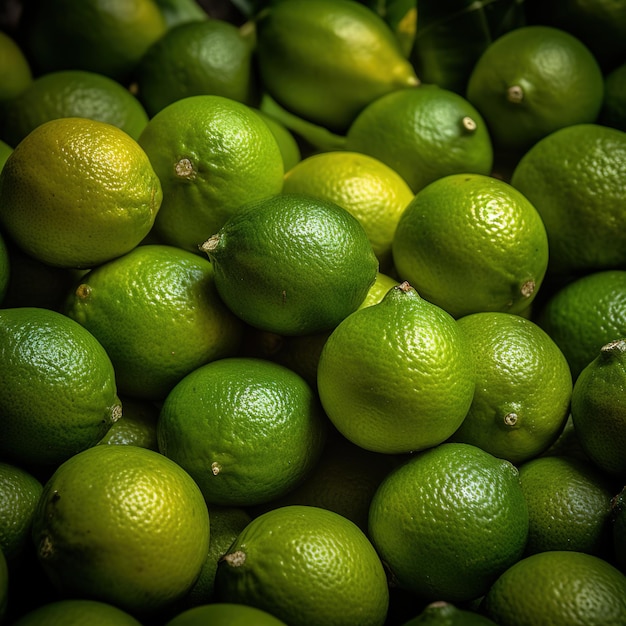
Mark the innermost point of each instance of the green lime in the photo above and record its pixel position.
(424, 134)
(306, 565)
(292, 264)
(70, 400)
(532, 81)
(493, 257)
(247, 430)
(432, 518)
(561, 588)
(212, 155)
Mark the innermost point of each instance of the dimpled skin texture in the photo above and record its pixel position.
(420, 133)
(523, 387)
(559, 588)
(247, 430)
(292, 264)
(584, 315)
(432, 518)
(574, 177)
(213, 155)
(472, 243)
(158, 314)
(307, 566)
(122, 524)
(396, 376)
(86, 181)
(350, 58)
(569, 503)
(70, 401)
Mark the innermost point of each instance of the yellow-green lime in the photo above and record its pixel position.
(15, 71)
(433, 517)
(105, 37)
(247, 430)
(396, 376)
(523, 387)
(472, 243)
(532, 81)
(569, 505)
(19, 492)
(292, 264)
(561, 588)
(86, 182)
(136, 427)
(158, 314)
(211, 56)
(423, 133)
(74, 612)
(306, 565)
(367, 188)
(5, 269)
(212, 155)
(5, 151)
(584, 314)
(122, 524)
(574, 178)
(225, 614)
(70, 399)
(599, 408)
(71, 93)
(324, 60)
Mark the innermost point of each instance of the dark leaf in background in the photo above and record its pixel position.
(452, 34)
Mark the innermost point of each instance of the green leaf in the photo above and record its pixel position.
(452, 34)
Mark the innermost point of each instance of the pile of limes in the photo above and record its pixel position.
(313, 313)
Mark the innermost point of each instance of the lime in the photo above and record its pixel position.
(584, 314)
(494, 254)
(599, 408)
(324, 60)
(70, 400)
(87, 182)
(292, 264)
(194, 58)
(561, 588)
(136, 427)
(569, 505)
(224, 614)
(71, 93)
(613, 111)
(104, 37)
(396, 376)
(247, 430)
(158, 314)
(75, 612)
(122, 524)
(20, 491)
(15, 71)
(212, 155)
(367, 188)
(431, 518)
(523, 387)
(306, 565)
(574, 178)
(532, 81)
(423, 134)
